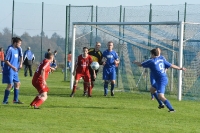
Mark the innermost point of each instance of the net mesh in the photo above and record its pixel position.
(133, 42)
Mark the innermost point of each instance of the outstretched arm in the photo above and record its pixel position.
(137, 63)
(177, 67)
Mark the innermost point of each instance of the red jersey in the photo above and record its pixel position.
(83, 64)
(45, 64)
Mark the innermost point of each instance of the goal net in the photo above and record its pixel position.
(178, 41)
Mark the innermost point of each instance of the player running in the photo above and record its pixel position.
(157, 66)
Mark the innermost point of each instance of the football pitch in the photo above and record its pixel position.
(126, 112)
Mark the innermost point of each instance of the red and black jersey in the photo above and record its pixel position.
(96, 55)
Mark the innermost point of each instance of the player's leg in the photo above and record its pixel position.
(162, 97)
(8, 79)
(77, 78)
(87, 81)
(112, 78)
(106, 80)
(16, 89)
(154, 92)
(40, 100)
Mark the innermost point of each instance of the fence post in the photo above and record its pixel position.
(13, 17)
(42, 32)
(96, 20)
(91, 34)
(66, 43)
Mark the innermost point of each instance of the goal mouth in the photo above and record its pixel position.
(133, 40)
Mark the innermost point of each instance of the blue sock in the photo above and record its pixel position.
(158, 100)
(112, 86)
(167, 103)
(6, 95)
(16, 93)
(152, 96)
(105, 88)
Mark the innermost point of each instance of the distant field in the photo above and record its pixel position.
(126, 112)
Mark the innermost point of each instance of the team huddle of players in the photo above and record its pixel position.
(109, 59)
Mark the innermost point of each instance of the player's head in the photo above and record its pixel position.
(97, 46)
(55, 52)
(154, 53)
(159, 50)
(49, 50)
(69, 52)
(1, 49)
(85, 50)
(17, 42)
(50, 56)
(28, 48)
(12, 40)
(110, 45)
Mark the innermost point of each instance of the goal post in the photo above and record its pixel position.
(130, 38)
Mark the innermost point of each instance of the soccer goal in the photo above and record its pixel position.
(133, 41)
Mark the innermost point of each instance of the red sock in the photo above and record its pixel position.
(34, 101)
(74, 89)
(89, 90)
(92, 85)
(39, 102)
(85, 87)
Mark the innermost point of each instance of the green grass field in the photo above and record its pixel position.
(126, 112)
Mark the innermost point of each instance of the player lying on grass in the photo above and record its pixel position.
(81, 69)
(157, 66)
(39, 81)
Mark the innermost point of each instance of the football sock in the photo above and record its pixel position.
(85, 87)
(106, 88)
(16, 93)
(89, 90)
(167, 103)
(39, 102)
(152, 96)
(74, 89)
(112, 86)
(34, 101)
(156, 96)
(6, 95)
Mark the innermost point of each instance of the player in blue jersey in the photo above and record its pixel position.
(10, 71)
(110, 60)
(157, 66)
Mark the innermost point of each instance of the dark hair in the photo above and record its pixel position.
(48, 49)
(55, 51)
(110, 42)
(69, 52)
(16, 40)
(85, 48)
(48, 55)
(154, 52)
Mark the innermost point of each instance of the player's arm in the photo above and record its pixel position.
(100, 58)
(137, 63)
(10, 65)
(177, 67)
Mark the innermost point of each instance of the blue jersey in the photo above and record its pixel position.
(12, 56)
(19, 50)
(29, 55)
(110, 56)
(157, 66)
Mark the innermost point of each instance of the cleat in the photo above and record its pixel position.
(84, 94)
(72, 95)
(171, 110)
(5, 103)
(112, 93)
(36, 107)
(161, 106)
(105, 95)
(18, 102)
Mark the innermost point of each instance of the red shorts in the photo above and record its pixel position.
(86, 77)
(37, 83)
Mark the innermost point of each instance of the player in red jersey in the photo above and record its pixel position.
(39, 81)
(82, 70)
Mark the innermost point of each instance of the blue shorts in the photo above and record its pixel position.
(10, 78)
(153, 82)
(69, 64)
(109, 73)
(2, 63)
(160, 86)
